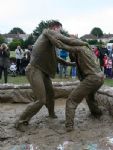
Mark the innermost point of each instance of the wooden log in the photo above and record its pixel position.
(23, 93)
(27, 86)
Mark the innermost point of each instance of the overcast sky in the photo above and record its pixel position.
(77, 16)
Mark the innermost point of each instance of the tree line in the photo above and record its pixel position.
(36, 33)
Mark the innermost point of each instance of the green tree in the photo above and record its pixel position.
(43, 25)
(2, 39)
(100, 43)
(111, 41)
(13, 45)
(97, 32)
(16, 30)
(29, 41)
(93, 42)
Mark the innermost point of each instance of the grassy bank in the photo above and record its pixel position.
(22, 80)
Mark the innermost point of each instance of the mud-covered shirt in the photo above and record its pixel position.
(44, 54)
(87, 63)
(85, 59)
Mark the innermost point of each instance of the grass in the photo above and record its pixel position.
(16, 80)
(108, 82)
(12, 54)
(23, 80)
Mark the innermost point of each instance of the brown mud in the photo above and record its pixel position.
(44, 133)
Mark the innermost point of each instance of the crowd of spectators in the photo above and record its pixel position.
(13, 66)
(22, 57)
(105, 57)
(103, 54)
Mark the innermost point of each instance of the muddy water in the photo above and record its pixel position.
(46, 134)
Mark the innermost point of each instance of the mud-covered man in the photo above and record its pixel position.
(42, 67)
(91, 79)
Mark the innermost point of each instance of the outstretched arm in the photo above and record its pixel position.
(59, 44)
(62, 61)
(68, 48)
(67, 40)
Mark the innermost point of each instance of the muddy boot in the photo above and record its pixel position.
(69, 124)
(28, 113)
(53, 115)
(94, 109)
(21, 125)
(51, 111)
(97, 113)
(70, 114)
(23, 120)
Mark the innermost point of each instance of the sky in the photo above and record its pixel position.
(77, 16)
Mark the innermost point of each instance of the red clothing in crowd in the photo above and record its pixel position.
(105, 61)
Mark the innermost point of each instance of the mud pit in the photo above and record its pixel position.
(46, 134)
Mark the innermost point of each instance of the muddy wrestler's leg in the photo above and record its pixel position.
(50, 103)
(93, 105)
(72, 102)
(35, 77)
(87, 86)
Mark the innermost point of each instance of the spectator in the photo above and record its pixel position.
(109, 68)
(19, 56)
(13, 69)
(102, 51)
(58, 64)
(105, 62)
(112, 60)
(4, 61)
(30, 47)
(63, 68)
(27, 56)
(25, 61)
(72, 59)
(96, 51)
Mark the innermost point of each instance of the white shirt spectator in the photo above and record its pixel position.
(13, 67)
(19, 53)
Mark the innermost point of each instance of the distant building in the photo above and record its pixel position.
(88, 37)
(74, 35)
(9, 37)
(105, 38)
(109, 46)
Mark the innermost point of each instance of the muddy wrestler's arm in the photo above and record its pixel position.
(74, 49)
(62, 61)
(51, 34)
